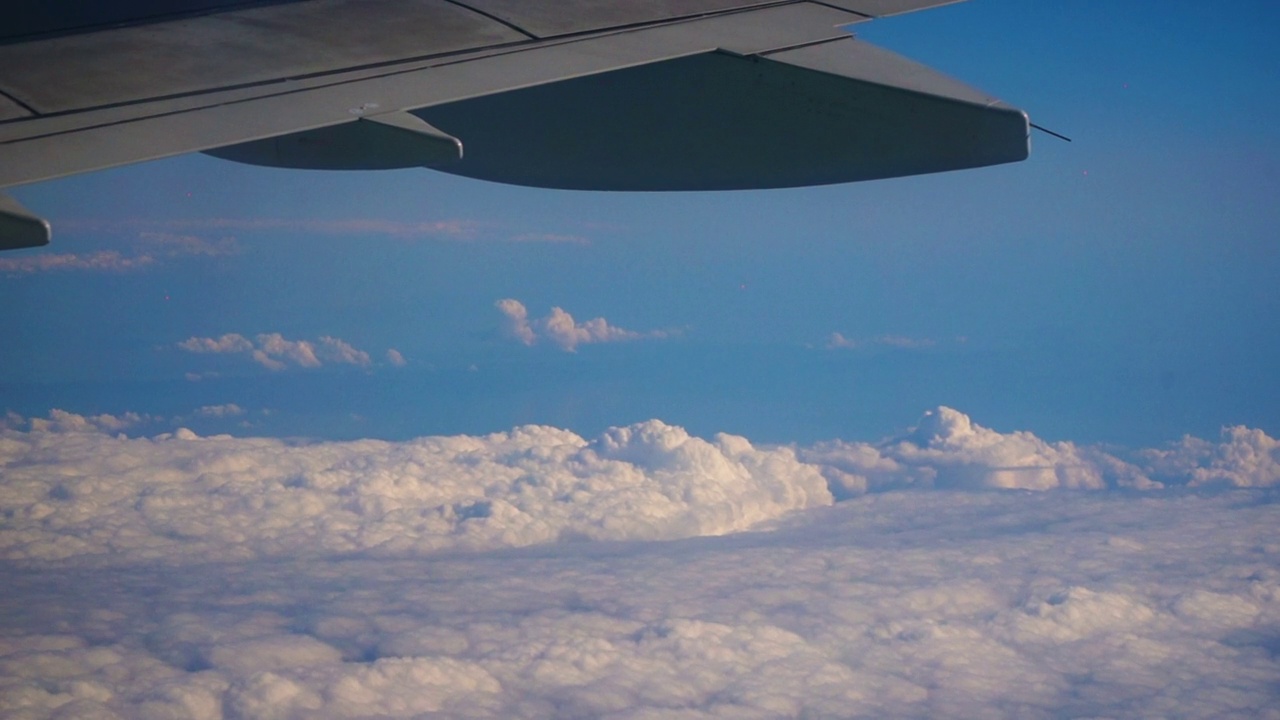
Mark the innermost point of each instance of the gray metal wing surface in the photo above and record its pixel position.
(584, 94)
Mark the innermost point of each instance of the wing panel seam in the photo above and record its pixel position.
(445, 58)
(837, 7)
(495, 18)
(384, 69)
(692, 17)
(798, 46)
(7, 96)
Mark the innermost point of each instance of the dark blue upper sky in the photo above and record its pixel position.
(1118, 288)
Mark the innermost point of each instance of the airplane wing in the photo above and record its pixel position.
(581, 94)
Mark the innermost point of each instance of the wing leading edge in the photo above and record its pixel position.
(662, 95)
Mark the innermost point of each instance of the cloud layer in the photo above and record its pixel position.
(641, 573)
(559, 328)
(75, 486)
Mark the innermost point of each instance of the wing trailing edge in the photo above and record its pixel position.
(832, 112)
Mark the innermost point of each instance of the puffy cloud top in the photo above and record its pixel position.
(948, 450)
(561, 329)
(276, 352)
(1245, 458)
(73, 489)
(185, 495)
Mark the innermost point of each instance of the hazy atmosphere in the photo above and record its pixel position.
(997, 443)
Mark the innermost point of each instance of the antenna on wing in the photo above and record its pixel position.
(1047, 130)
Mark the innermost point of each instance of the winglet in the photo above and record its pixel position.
(19, 228)
(431, 146)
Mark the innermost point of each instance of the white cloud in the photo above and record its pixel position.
(198, 376)
(149, 249)
(220, 411)
(559, 238)
(61, 421)
(517, 321)
(273, 349)
(276, 352)
(903, 341)
(673, 577)
(838, 341)
(528, 486)
(175, 245)
(395, 357)
(229, 343)
(340, 351)
(1245, 458)
(177, 237)
(560, 328)
(532, 485)
(947, 450)
(457, 229)
(102, 260)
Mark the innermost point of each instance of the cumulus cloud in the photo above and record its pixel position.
(276, 352)
(561, 329)
(1245, 458)
(61, 421)
(516, 323)
(640, 573)
(948, 450)
(220, 411)
(341, 351)
(396, 358)
(229, 343)
(531, 485)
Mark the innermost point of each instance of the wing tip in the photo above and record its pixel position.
(19, 228)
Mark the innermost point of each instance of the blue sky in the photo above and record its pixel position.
(1120, 288)
(1002, 443)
